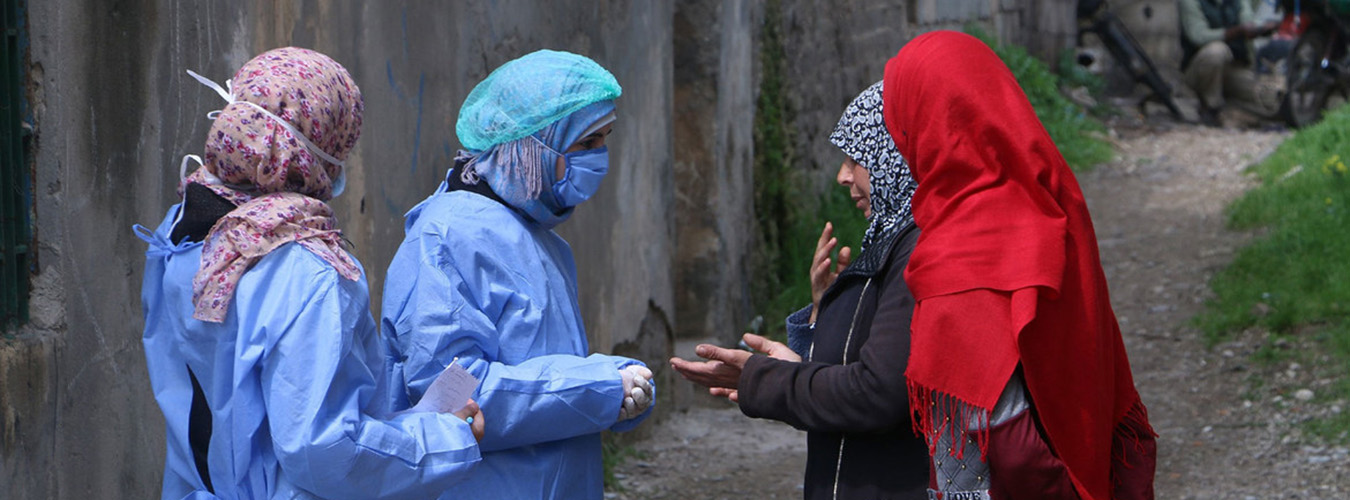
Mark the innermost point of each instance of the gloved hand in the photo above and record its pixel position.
(637, 390)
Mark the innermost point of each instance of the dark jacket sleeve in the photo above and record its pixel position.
(867, 395)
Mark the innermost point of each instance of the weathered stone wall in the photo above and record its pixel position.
(836, 49)
(715, 66)
(114, 113)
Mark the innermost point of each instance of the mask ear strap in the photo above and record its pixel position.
(227, 93)
(182, 166)
(182, 177)
(541, 143)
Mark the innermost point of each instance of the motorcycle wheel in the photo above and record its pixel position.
(1308, 84)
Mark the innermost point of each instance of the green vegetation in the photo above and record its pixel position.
(777, 186)
(1078, 135)
(788, 216)
(1295, 279)
(1072, 74)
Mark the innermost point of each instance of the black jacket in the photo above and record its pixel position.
(857, 404)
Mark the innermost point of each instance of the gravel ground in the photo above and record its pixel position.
(1229, 427)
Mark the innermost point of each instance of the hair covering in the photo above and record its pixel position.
(527, 94)
(518, 178)
(1006, 233)
(278, 184)
(518, 120)
(861, 134)
(520, 98)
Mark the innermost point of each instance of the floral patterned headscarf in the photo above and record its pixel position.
(276, 151)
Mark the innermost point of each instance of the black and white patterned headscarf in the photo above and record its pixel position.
(861, 134)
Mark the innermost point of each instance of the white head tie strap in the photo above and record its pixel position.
(209, 179)
(182, 167)
(228, 94)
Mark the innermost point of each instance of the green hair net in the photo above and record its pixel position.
(527, 94)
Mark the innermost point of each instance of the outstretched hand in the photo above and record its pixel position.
(721, 374)
(773, 349)
(722, 368)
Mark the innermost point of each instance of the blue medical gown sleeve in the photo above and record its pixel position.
(439, 315)
(315, 378)
(548, 398)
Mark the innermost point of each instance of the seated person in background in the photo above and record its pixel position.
(1293, 24)
(1217, 53)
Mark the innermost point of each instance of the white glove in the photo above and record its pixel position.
(637, 390)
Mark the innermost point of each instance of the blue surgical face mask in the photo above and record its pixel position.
(583, 173)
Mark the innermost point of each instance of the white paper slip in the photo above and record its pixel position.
(449, 392)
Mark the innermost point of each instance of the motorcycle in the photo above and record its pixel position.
(1319, 65)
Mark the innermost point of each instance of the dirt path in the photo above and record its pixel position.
(1228, 426)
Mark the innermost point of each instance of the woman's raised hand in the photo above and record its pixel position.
(824, 272)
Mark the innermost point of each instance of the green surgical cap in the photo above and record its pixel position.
(529, 93)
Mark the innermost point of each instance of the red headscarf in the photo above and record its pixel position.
(1006, 269)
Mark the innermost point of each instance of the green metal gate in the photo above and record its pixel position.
(15, 201)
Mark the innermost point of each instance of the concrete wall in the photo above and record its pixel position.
(664, 246)
(114, 113)
(1154, 24)
(715, 66)
(837, 49)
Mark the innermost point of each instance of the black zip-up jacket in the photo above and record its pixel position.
(850, 395)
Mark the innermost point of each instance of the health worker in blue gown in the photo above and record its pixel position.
(259, 340)
(482, 280)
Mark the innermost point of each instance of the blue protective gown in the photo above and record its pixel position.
(476, 280)
(291, 379)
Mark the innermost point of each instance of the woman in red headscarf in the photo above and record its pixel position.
(1017, 369)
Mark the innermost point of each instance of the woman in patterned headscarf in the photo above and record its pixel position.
(849, 391)
(258, 337)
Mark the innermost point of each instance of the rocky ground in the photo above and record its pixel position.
(1230, 427)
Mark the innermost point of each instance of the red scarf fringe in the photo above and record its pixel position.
(1134, 421)
(935, 413)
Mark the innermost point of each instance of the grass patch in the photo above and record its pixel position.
(1298, 273)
